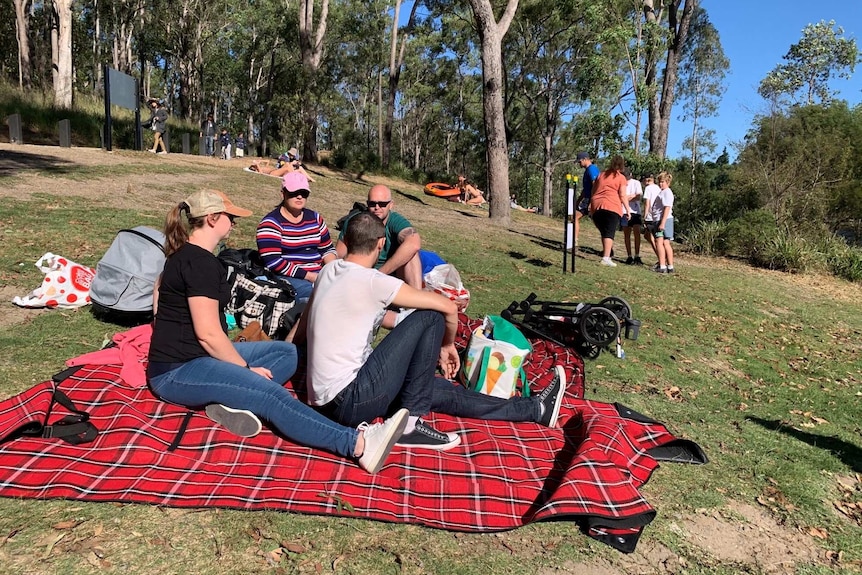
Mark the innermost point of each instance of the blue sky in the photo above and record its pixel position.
(755, 36)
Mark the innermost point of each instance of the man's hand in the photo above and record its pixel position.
(449, 361)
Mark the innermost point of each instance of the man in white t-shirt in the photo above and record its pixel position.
(651, 191)
(632, 223)
(349, 381)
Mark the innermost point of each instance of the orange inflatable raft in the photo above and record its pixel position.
(442, 190)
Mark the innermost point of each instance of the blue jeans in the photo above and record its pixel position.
(209, 145)
(302, 286)
(401, 372)
(206, 380)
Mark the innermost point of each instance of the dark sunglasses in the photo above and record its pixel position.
(296, 194)
(383, 204)
(231, 217)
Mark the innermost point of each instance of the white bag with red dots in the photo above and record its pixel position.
(66, 284)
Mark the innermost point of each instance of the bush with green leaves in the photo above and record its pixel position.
(707, 238)
(783, 251)
(746, 233)
(841, 259)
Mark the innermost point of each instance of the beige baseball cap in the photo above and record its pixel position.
(208, 202)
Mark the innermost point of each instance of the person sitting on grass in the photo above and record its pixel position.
(470, 194)
(294, 241)
(192, 361)
(513, 203)
(349, 381)
(400, 253)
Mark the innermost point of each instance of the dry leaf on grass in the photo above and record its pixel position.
(70, 524)
(818, 532)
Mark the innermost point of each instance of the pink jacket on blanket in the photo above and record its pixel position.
(131, 352)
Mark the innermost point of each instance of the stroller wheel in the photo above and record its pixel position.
(588, 350)
(599, 326)
(619, 306)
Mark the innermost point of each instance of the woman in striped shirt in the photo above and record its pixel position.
(294, 241)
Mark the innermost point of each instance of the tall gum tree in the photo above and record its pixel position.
(61, 43)
(491, 33)
(22, 33)
(820, 55)
(679, 15)
(311, 48)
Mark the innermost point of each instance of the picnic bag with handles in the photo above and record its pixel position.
(494, 359)
(263, 298)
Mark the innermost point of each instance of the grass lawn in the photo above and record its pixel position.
(762, 369)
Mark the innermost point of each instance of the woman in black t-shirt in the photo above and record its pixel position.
(192, 361)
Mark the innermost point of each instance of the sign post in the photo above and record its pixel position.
(570, 243)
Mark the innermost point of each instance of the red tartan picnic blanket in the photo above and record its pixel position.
(502, 476)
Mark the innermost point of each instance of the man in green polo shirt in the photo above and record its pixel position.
(400, 254)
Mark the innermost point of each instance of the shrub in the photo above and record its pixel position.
(749, 232)
(841, 259)
(707, 238)
(783, 251)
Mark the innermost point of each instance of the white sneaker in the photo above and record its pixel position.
(608, 262)
(238, 421)
(379, 440)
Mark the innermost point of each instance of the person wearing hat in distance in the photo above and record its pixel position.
(295, 164)
(582, 205)
(294, 241)
(349, 381)
(193, 363)
(158, 123)
(400, 253)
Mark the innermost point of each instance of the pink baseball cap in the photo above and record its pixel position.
(294, 181)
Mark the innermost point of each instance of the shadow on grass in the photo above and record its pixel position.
(532, 261)
(849, 454)
(410, 197)
(13, 163)
(540, 241)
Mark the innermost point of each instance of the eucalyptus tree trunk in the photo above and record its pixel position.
(395, 64)
(22, 33)
(311, 51)
(63, 60)
(661, 104)
(491, 33)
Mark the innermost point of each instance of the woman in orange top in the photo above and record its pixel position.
(608, 204)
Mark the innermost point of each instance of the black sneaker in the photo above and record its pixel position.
(670, 270)
(638, 261)
(424, 436)
(551, 398)
(660, 270)
(630, 260)
(238, 421)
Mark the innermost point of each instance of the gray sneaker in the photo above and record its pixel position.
(551, 398)
(424, 436)
(238, 421)
(379, 440)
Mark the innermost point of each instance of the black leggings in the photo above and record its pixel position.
(607, 223)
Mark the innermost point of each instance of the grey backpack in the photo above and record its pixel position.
(122, 291)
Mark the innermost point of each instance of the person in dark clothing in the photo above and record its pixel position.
(208, 133)
(158, 123)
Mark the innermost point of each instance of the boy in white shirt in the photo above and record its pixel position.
(650, 193)
(634, 193)
(662, 216)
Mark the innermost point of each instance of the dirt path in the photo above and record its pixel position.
(739, 533)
